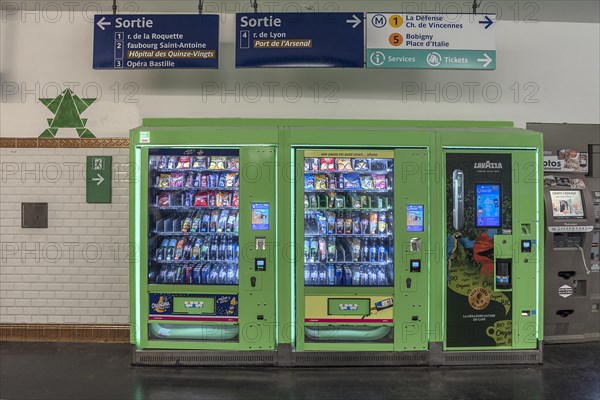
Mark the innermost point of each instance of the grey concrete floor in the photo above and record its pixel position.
(102, 371)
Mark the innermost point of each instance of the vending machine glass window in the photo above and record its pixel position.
(348, 221)
(193, 216)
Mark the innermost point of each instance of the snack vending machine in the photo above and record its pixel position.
(203, 220)
(362, 278)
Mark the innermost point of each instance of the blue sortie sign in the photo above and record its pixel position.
(324, 40)
(156, 41)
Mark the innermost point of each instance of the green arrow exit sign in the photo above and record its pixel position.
(98, 182)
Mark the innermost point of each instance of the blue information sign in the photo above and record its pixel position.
(156, 41)
(322, 40)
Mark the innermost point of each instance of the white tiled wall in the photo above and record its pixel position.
(76, 270)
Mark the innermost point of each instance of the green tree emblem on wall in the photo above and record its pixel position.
(67, 108)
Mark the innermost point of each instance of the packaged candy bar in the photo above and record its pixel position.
(235, 201)
(214, 220)
(217, 163)
(205, 222)
(379, 165)
(366, 182)
(200, 162)
(203, 180)
(327, 164)
(330, 222)
(351, 181)
(222, 180)
(172, 163)
(372, 223)
(379, 182)
(189, 179)
(223, 199)
(187, 224)
(231, 179)
(222, 225)
(201, 199)
(309, 182)
(233, 163)
(163, 180)
(361, 164)
(164, 200)
(184, 162)
(340, 202)
(176, 180)
(344, 164)
(162, 162)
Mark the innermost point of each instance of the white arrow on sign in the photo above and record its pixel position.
(99, 179)
(101, 23)
(487, 60)
(355, 21)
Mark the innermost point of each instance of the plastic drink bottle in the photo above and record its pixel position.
(330, 275)
(339, 276)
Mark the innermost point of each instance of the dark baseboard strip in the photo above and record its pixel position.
(64, 333)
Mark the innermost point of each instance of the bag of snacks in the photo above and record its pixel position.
(366, 182)
(217, 163)
(344, 164)
(320, 182)
(379, 182)
(327, 164)
(184, 162)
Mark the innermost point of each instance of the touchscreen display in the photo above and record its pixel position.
(567, 204)
(488, 205)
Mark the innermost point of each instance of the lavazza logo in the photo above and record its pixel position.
(487, 165)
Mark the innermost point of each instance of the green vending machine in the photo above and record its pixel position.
(362, 218)
(493, 234)
(203, 224)
(335, 242)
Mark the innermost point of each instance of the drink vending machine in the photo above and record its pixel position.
(312, 242)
